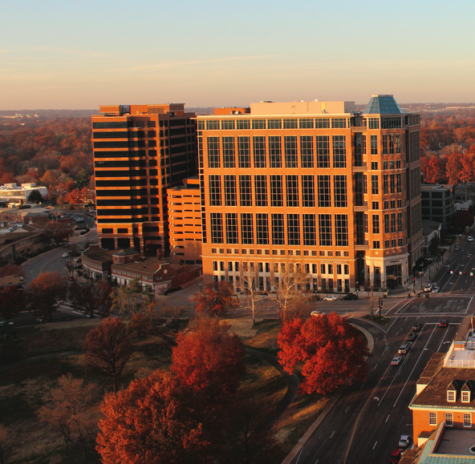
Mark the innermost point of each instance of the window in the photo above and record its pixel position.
(338, 123)
(399, 242)
(231, 228)
(374, 185)
(347, 269)
(274, 124)
(399, 222)
(323, 123)
(309, 230)
(275, 152)
(306, 150)
(276, 191)
(398, 183)
(290, 124)
(375, 223)
(229, 159)
(322, 269)
(393, 222)
(467, 420)
(373, 123)
(374, 144)
(278, 229)
(325, 229)
(324, 191)
(465, 397)
(451, 396)
(259, 145)
(432, 418)
(243, 124)
(449, 419)
(292, 190)
(216, 227)
(293, 229)
(290, 145)
(375, 205)
(414, 146)
(341, 230)
(339, 151)
(392, 187)
(374, 165)
(227, 124)
(340, 193)
(258, 123)
(386, 223)
(385, 183)
(244, 152)
(215, 190)
(260, 185)
(306, 123)
(245, 190)
(376, 244)
(213, 152)
(391, 123)
(308, 191)
(230, 191)
(323, 151)
(247, 229)
(262, 229)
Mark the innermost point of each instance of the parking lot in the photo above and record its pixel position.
(436, 304)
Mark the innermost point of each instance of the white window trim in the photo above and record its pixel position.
(430, 418)
(466, 394)
(449, 394)
(447, 415)
(470, 417)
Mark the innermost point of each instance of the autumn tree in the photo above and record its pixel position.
(6, 446)
(152, 421)
(68, 410)
(250, 280)
(76, 196)
(454, 167)
(45, 293)
(58, 231)
(132, 298)
(10, 302)
(216, 299)
(91, 297)
(108, 349)
(11, 269)
(330, 350)
(209, 358)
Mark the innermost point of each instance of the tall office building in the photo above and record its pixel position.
(139, 152)
(318, 184)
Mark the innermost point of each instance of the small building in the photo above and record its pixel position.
(184, 216)
(438, 203)
(430, 230)
(97, 262)
(463, 206)
(20, 193)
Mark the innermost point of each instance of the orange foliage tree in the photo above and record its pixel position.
(45, 293)
(108, 349)
(331, 350)
(11, 269)
(216, 299)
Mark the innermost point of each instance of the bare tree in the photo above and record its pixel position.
(250, 280)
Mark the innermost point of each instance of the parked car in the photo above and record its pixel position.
(350, 296)
(469, 238)
(330, 298)
(405, 441)
(443, 324)
(396, 456)
(65, 255)
(417, 327)
(403, 349)
(396, 360)
(411, 337)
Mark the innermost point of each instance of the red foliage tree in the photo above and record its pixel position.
(152, 421)
(11, 269)
(10, 301)
(209, 359)
(216, 300)
(454, 167)
(46, 292)
(108, 349)
(331, 350)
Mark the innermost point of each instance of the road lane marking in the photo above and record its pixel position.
(375, 366)
(347, 409)
(415, 364)
(387, 417)
(375, 445)
(331, 436)
(300, 454)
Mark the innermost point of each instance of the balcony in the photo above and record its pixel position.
(361, 247)
(362, 206)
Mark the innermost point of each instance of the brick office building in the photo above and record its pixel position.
(314, 183)
(139, 152)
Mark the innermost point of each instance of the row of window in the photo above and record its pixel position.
(449, 419)
(281, 268)
(262, 190)
(279, 229)
(275, 252)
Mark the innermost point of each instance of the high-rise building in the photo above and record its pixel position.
(319, 184)
(139, 152)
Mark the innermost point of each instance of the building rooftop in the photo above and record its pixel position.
(11, 280)
(382, 104)
(430, 187)
(429, 226)
(96, 253)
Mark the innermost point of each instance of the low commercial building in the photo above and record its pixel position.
(184, 216)
(431, 230)
(20, 193)
(438, 203)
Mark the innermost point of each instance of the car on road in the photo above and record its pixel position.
(405, 441)
(411, 337)
(71, 279)
(396, 360)
(469, 238)
(428, 287)
(350, 296)
(5, 323)
(443, 324)
(457, 248)
(396, 456)
(417, 327)
(330, 298)
(403, 349)
(65, 255)
(435, 289)
(316, 313)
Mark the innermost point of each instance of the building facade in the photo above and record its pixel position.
(184, 209)
(438, 203)
(139, 152)
(318, 184)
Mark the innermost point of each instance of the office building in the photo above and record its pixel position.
(438, 203)
(139, 152)
(318, 184)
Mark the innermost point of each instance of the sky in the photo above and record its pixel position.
(64, 54)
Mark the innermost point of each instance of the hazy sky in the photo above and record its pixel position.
(80, 54)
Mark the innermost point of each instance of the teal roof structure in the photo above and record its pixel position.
(382, 104)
